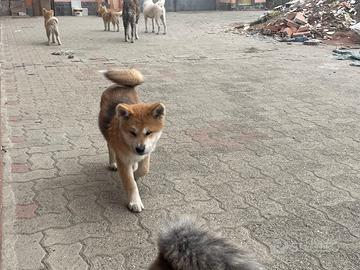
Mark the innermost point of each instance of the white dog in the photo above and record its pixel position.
(155, 11)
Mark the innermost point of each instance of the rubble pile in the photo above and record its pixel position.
(307, 18)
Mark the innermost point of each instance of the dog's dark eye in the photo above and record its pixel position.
(148, 133)
(133, 133)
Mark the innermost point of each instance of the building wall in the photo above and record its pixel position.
(63, 7)
(188, 5)
(4, 7)
(12, 7)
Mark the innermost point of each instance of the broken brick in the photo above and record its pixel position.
(299, 34)
(290, 23)
(291, 15)
(299, 18)
(304, 28)
(287, 31)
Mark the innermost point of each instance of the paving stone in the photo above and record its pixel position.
(68, 166)
(75, 233)
(51, 201)
(43, 222)
(66, 257)
(249, 150)
(108, 262)
(29, 249)
(33, 175)
(23, 192)
(86, 209)
(41, 161)
(190, 190)
(120, 218)
(116, 243)
(140, 258)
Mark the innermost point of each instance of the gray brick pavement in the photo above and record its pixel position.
(261, 145)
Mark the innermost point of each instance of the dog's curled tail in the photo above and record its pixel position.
(125, 77)
(182, 245)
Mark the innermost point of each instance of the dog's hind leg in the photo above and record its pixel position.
(133, 31)
(57, 37)
(53, 36)
(163, 19)
(136, 31)
(146, 19)
(152, 20)
(126, 31)
(158, 25)
(112, 159)
(48, 36)
(104, 25)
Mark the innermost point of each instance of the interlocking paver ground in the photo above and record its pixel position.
(261, 144)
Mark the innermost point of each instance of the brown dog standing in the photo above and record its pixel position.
(131, 129)
(109, 16)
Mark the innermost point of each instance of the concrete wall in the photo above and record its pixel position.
(188, 5)
(63, 7)
(4, 7)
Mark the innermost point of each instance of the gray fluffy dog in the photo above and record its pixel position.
(183, 246)
(130, 15)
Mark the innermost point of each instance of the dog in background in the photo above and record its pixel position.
(109, 16)
(183, 246)
(131, 14)
(51, 26)
(155, 11)
(131, 129)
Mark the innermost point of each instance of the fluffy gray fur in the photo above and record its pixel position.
(183, 246)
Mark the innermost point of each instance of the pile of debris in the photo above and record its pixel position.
(307, 18)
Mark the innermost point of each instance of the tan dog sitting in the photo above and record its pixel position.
(51, 26)
(109, 16)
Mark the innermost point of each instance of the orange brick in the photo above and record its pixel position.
(299, 18)
(299, 34)
(287, 31)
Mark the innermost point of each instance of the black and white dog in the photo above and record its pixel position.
(131, 15)
(183, 246)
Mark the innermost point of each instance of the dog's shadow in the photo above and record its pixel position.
(44, 43)
(105, 185)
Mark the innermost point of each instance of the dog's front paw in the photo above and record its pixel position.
(136, 205)
(113, 166)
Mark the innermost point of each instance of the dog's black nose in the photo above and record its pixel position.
(140, 149)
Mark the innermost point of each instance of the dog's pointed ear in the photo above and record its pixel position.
(158, 110)
(44, 11)
(123, 111)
